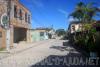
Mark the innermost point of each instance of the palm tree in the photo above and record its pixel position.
(85, 12)
(78, 12)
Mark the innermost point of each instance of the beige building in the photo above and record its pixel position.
(75, 27)
(16, 28)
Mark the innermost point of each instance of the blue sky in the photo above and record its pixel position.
(47, 13)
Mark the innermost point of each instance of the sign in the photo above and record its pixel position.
(4, 20)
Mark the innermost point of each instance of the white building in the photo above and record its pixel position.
(75, 27)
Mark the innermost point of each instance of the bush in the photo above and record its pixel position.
(97, 42)
(86, 41)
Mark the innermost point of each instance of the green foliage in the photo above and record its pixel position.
(87, 26)
(97, 41)
(80, 40)
(1, 49)
(89, 38)
(60, 32)
(85, 12)
(93, 30)
(86, 41)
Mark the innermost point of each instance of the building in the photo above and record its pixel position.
(38, 34)
(52, 33)
(14, 23)
(74, 26)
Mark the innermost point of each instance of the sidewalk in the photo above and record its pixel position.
(20, 48)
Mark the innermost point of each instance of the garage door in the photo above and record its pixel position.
(0, 39)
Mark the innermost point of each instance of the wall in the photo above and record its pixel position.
(3, 9)
(3, 38)
(16, 20)
(35, 35)
(78, 27)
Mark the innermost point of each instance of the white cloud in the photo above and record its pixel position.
(72, 19)
(63, 12)
(38, 3)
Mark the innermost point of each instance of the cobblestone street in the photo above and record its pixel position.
(39, 53)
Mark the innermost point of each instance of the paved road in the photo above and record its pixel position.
(45, 53)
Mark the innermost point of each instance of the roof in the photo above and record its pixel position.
(41, 28)
(73, 22)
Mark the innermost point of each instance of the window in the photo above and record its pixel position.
(28, 18)
(20, 14)
(25, 17)
(73, 28)
(15, 11)
(41, 33)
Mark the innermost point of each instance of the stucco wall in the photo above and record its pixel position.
(14, 22)
(35, 35)
(2, 38)
(77, 28)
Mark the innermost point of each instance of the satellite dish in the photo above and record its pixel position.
(4, 20)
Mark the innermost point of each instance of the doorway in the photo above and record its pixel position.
(20, 34)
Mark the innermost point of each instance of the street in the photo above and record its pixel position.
(47, 52)
(49, 33)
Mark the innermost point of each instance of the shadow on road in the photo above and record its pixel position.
(72, 59)
(71, 48)
(64, 47)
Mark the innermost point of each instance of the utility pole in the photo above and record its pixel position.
(8, 26)
(8, 11)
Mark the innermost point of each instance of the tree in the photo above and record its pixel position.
(60, 32)
(78, 12)
(85, 12)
